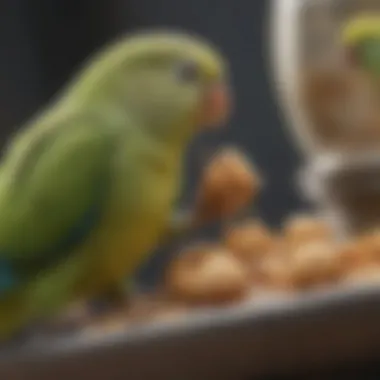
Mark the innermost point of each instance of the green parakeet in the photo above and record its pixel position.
(87, 188)
(361, 37)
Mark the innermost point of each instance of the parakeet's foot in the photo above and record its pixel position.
(106, 305)
(110, 301)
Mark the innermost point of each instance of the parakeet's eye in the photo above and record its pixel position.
(187, 71)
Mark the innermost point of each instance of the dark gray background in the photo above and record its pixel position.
(42, 42)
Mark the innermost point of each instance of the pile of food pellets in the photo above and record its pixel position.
(251, 260)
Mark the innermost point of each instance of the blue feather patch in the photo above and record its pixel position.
(9, 274)
(79, 233)
(8, 279)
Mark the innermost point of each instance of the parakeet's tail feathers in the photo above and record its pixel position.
(13, 315)
(361, 27)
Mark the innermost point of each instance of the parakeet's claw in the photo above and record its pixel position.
(104, 306)
(112, 300)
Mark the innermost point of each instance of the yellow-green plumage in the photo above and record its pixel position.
(360, 28)
(361, 38)
(88, 188)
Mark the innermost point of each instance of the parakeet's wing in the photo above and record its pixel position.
(52, 189)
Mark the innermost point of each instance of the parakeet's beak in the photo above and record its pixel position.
(217, 105)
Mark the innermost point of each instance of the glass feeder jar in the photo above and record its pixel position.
(331, 106)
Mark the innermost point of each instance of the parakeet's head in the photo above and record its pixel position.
(174, 83)
(361, 38)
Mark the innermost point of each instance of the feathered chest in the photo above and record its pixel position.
(143, 191)
(139, 210)
(148, 188)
